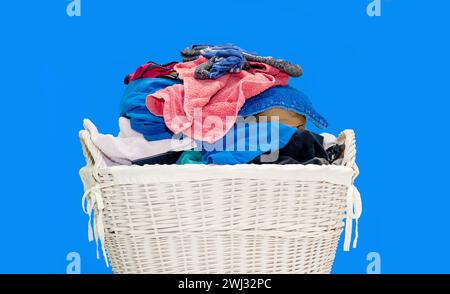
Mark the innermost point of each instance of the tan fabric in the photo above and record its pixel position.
(286, 117)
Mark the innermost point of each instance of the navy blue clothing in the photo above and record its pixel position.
(305, 147)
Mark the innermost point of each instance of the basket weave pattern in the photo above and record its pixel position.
(235, 223)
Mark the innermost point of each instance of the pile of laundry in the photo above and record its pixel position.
(220, 105)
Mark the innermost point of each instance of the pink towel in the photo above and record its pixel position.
(206, 109)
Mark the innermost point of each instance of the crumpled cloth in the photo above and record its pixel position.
(206, 109)
(130, 145)
(229, 58)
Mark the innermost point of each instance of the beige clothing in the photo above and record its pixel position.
(286, 117)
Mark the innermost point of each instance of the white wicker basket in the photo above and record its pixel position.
(220, 219)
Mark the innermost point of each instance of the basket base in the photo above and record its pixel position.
(221, 254)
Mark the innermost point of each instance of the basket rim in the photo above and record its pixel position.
(335, 174)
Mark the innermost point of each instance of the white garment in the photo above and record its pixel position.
(329, 140)
(131, 145)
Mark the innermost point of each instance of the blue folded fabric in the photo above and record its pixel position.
(285, 97)
(133, 106)
(246, 141)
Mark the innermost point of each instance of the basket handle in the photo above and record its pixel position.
(354, 205)
(92, 195)
(93, 155)
(348, 138)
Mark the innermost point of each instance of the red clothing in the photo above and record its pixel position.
(152, 70)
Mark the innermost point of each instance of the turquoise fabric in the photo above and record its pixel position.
(190, 157)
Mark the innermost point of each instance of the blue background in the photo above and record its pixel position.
(386, 77)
